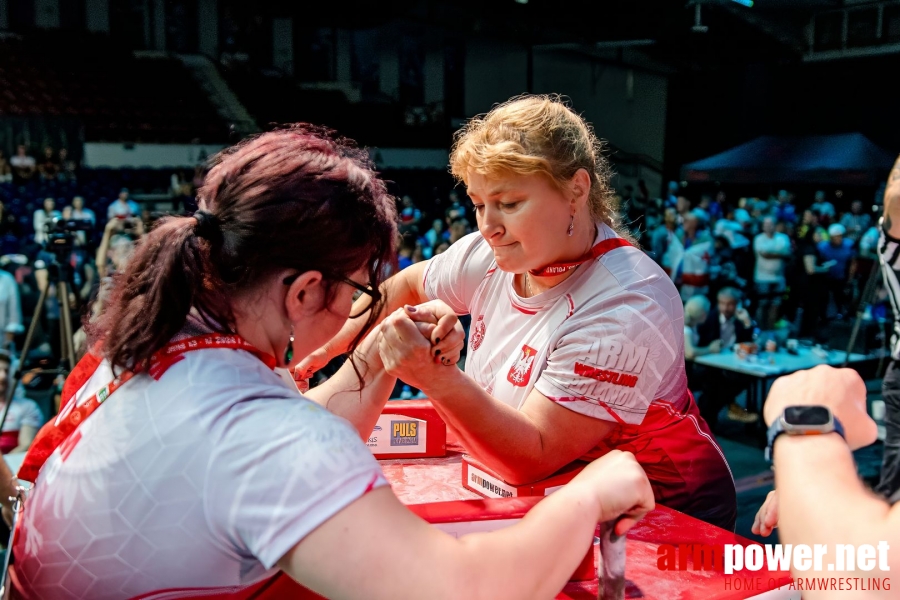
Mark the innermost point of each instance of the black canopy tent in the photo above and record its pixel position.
(839, 159)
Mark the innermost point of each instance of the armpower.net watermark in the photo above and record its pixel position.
(745, 565)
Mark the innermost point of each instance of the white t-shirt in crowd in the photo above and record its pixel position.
(22, 161)
(24, 411)
(606, 342)
(40, 221)
(203, 479)
(691, 333)
(10, 304)
(771, 270)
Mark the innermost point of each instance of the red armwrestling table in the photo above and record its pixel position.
(432, 488)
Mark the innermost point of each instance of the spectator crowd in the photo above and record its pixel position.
(58, 220)
(744, 266)
(754, 270)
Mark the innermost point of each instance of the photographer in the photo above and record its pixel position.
(64, 245)
(24, 418)
(42, 217)
(117, 245)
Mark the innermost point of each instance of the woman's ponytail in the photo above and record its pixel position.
(153, 297)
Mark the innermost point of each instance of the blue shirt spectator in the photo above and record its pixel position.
(123, 207)
(786, 213)
(838, 250)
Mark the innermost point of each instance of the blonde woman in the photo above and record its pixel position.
(577, 343)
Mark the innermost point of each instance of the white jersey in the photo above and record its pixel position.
(200, 481)
(606, 342)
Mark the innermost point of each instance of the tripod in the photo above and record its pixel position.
(59, 273)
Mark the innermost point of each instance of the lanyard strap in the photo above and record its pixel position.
(54, 433)
(595, 252)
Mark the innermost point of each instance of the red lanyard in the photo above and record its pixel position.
(57, 431)
(595, 252)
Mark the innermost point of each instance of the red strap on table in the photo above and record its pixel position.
(596, 252)
(54, 433)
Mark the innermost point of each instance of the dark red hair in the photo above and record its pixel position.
(299, 197)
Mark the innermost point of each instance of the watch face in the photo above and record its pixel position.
(807, 415)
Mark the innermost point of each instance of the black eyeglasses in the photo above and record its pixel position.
(372, 292)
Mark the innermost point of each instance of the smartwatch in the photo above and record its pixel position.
(802, 420)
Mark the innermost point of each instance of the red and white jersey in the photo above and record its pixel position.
(605, 342)
(197, 482)
(608, 342)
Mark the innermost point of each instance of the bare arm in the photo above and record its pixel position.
(91, 274)
(820, 497)
(691, 351)
(103, 248)
(342, 394)
(405, 287)
(809, 264)
(26, 436)
(7, 490)
(394, 554)
(41, 278)
(521, 445)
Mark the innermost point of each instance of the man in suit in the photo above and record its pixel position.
(730, 324)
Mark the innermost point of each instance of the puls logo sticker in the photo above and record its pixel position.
(404, 433)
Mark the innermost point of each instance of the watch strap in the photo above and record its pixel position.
(777, 428)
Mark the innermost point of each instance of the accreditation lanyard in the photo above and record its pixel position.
(596, 252)
(54, 433)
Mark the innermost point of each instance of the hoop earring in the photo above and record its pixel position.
(571, 229)
(289, 350)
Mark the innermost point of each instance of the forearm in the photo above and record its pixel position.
(26, 436)
(401, 556)
(550, 541)
(343, 396)
(397, 291)
(822, 501)
(703, 350)
(491, 430)
(7, 487)
(691, 352)
(102, 251)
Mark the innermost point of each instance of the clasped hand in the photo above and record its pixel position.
(417, 343)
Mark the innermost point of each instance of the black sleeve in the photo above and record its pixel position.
(708, 331)
(742, 334)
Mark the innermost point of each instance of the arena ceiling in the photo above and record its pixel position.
(665, 29)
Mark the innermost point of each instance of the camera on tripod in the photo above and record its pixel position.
(61, 233)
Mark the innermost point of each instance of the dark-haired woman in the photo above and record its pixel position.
(183, 464)
(577, 343)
